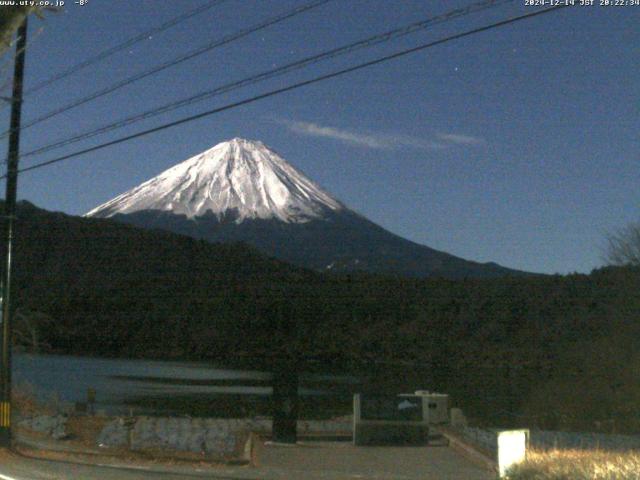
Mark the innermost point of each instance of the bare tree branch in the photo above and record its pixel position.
(624, 246)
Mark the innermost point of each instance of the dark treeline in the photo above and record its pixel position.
(548, 351)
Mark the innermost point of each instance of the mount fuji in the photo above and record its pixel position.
(242, 191)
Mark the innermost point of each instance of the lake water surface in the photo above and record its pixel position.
(118, 382)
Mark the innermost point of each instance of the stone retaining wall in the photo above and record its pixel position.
(52, 425)
(217, 436)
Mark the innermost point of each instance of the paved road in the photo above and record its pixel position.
(16, 467)
(308, 461)
(342, 460)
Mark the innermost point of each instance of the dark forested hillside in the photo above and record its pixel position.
(339, 242)
(112, 289)
(546, 350)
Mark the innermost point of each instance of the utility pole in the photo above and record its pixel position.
(9, 217)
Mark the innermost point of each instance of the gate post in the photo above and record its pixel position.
(285, 402)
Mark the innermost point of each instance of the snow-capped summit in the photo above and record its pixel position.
(239, 176)
(242, 191)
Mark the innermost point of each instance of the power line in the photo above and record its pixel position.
(305, 62)
(194, 53)
(106, 53)
(291, 87)
(124, 45)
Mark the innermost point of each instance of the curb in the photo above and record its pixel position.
(213, 471)
(473, 453)
(130, 460)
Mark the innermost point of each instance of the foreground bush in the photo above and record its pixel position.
(578, 465)
(27, 403)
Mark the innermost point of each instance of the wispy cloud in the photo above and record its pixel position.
(460, 139)
(376, 141)
(385, 141)
(315, 130)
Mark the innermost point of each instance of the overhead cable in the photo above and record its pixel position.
(266, 75)
(124, 45)
(291, 87)
(188, 56)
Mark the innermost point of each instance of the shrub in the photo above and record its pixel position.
(578, 465)
(27, 403)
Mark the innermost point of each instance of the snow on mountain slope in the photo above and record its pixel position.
(240, 176)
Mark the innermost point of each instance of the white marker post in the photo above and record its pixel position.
(512, 449)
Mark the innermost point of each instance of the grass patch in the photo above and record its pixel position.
(578, 465)
(27, 403)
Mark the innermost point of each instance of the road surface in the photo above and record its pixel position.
(307, 460)
(343, 460)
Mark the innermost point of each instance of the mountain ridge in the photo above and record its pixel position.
(243, 191)
(333, 244)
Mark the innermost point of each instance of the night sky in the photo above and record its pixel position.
(519, 145)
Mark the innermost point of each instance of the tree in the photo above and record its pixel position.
(28, 329)
(11, 17)
(624, 246)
